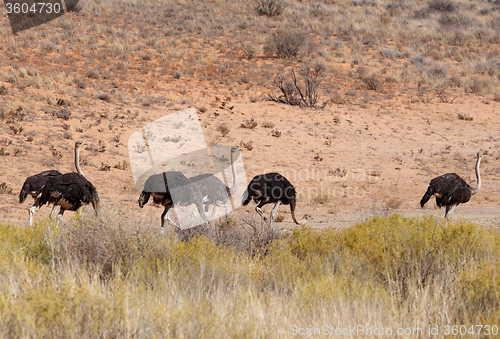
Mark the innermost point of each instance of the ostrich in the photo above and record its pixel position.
(450, 189)
(213, 190)
(33, 186)
(159, 186)
(71, 190)
(272, 188)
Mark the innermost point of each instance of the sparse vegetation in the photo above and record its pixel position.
(302, 92)
(247, 145)
(92, 276)
(250, 124)
(267, 124)
(5, 189)
(269, 7)
(285, 43)
(223, 129)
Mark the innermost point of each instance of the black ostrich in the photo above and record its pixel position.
(159, 186)
(450, 189)
(213, 190)
(33, 186)
(272, 188)
(71, 190)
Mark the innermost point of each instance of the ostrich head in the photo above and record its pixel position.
(480, 154)
(143, 199)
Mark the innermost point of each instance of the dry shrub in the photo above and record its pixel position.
(285, 43)
(250, 124)
(321, 199)
(477, 85)
(337, 98)
(371, 82)
(105, 245)
(303, 91)
(249, 51)
(13, 115)
(243, 236)
(247, 145)
(223, 129)
(270, 7)
(442, 6)
(464, 117)
(122, 165)
(5, 189)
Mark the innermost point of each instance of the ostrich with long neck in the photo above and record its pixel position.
(213, 190)
(71, 190)
(161, 187)
(451, 190)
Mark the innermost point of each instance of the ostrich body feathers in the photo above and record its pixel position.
(70, 191)
(450, 189)
(34, 184)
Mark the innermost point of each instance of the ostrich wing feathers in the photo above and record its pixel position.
(34, 183)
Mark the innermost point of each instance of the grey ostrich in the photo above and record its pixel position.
(272, 188)
(71, 190)
(33, 186)
(159, 186)
(213, 190)
(450, 189)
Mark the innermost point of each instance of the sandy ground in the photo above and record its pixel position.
(346, 162)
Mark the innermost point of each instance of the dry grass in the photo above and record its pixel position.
(95, 277)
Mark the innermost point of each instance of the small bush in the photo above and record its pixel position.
(104, 97)
(249, 51)
(321, 199)
(371, 82)
(304, 92)
(224, 129)
(270, 7)
(285, 43)
(250, 124)
(5, 189)
(442, 6)
(93, 74)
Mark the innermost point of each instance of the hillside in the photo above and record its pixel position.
(406, 91)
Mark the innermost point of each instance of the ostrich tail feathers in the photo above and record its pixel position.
(426, 197)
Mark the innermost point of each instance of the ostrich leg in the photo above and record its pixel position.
(273, 212)
(32, 213)
(258, 209)
(449, 210)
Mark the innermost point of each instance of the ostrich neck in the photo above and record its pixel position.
(233, 188)
(478, 177)
(77, 161)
